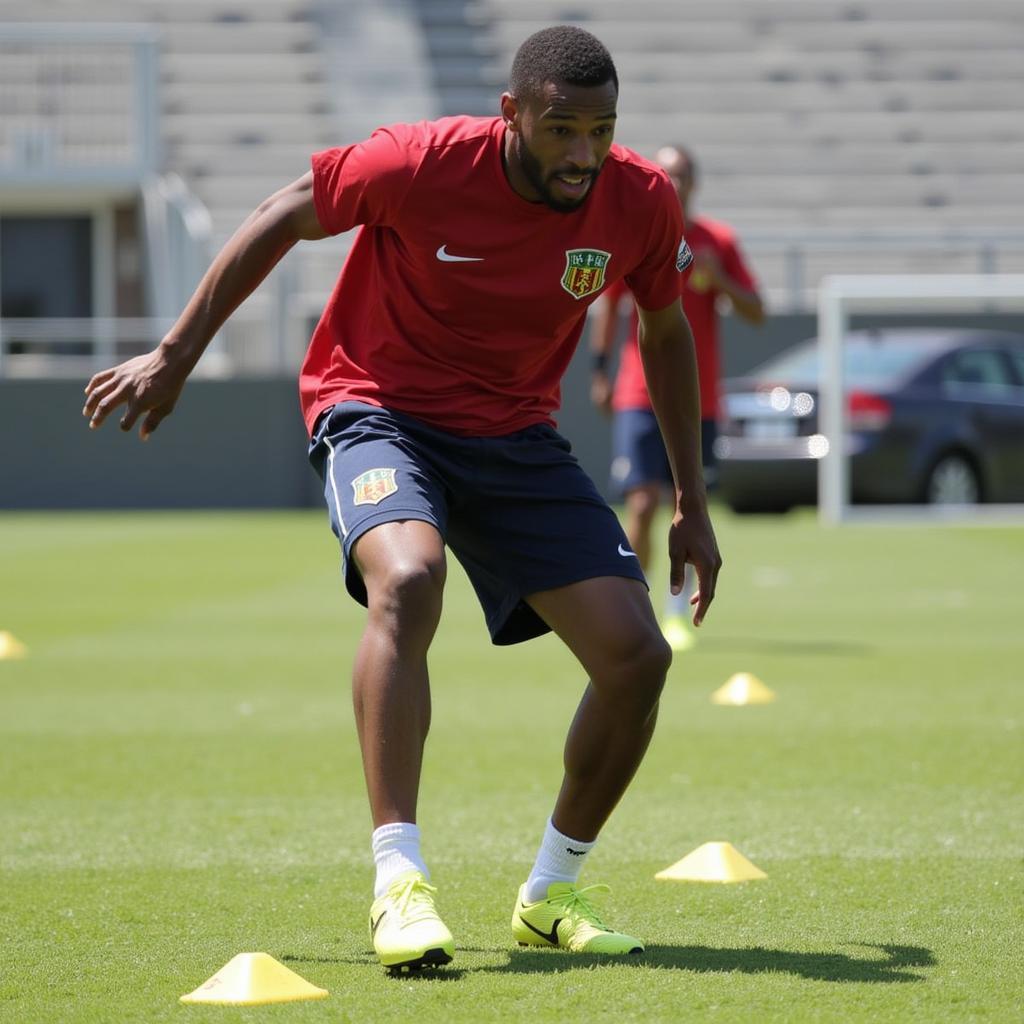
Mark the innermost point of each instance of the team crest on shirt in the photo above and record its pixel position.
(584, 271)
(684, 257)
(373, 486)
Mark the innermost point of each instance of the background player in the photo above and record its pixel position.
(640, 471)
(428, 390)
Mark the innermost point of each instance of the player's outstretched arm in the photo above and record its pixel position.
(670, 367)
(149, 385)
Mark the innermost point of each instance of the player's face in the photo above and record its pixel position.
(557, 142)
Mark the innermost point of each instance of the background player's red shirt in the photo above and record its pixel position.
(461, 303)
(703, 235)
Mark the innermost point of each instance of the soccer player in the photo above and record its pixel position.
(641, 472)
(428, 391)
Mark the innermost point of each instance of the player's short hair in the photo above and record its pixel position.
(562, 53)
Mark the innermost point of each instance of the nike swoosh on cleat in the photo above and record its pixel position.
(446, 257)
(374, 924)
(627, 554)
(551, 936)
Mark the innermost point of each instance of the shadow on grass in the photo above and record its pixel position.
(769, 645)
(893, 967)
(369, 959)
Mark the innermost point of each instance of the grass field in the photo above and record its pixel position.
(179, 782)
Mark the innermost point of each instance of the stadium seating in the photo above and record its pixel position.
(807, 116)
(811, 119)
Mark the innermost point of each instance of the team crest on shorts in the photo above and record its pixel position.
(584, 271)
(373, 486)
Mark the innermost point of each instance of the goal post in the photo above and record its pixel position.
(841, 296)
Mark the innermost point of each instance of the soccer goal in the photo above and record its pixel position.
(838, 298)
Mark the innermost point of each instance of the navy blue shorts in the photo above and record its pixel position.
(638, 452)
(517, 511)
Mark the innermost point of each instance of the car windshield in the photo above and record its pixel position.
(868, 362)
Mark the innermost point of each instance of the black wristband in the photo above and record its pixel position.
(601, 362)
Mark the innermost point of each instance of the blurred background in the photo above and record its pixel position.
(835, 136)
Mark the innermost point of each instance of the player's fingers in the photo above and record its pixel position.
(97, 379)
(107, 404)
(677, 574)
(707, 577)
(153, 420)
(97, 394)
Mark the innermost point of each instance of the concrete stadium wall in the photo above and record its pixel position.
(241, 443)
(229, 444)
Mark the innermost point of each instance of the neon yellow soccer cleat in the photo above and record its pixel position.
(405, 928)
(567, 920)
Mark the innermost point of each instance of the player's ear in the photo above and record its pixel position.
(510, 111)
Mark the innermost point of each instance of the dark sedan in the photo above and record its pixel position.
(933, 416)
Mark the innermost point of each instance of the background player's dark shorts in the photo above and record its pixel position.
(638, 452)
(517, 511)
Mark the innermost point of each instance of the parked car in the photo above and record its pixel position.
(934, 416)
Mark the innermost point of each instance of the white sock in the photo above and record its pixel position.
(396, 850)
(559, 859)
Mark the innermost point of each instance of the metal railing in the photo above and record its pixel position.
(829, 252)
(276, 329)
(178, 232)
(65, 347)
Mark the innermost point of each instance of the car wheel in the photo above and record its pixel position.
(953, 480)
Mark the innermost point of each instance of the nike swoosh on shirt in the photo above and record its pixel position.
(446, 257)
(627, 554)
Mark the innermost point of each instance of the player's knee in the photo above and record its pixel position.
(408, 589)
(637, 671)
(654, 661)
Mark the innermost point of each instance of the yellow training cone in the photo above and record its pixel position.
(713, 862)
(251, 979)
(743, 688)
(11, 647)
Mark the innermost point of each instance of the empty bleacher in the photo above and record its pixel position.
(244, 99)
(807, 116)
(812, 120)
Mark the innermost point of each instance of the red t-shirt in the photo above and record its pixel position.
(460, 302)
(703, 235)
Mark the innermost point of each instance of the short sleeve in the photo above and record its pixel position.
(367, 182)
(655, 281)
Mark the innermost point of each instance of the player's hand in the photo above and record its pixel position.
(147, 384)
(601, 392)
(691, 539)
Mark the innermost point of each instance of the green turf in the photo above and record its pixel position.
(179, 783)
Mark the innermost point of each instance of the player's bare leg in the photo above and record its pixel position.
(403, 566)
(641, 506)
(608, 623)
